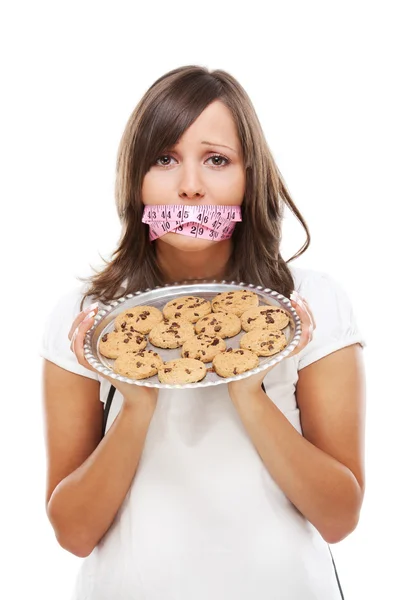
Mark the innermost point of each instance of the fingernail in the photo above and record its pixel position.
(92, 306)
(89, 316)
(294, 295)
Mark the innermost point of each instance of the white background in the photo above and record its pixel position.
(323, 77)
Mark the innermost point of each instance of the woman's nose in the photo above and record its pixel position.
(190, 185)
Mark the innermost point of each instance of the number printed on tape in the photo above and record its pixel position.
(205, 221)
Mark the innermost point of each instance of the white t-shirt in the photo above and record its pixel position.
(203, 518)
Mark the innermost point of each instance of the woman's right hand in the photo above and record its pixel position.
(131, 393)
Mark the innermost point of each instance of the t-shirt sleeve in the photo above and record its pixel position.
(55, 344)
(336, 324)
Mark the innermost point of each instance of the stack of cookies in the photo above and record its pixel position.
(199, 327)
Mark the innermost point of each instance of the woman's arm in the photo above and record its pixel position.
(88, 477)
(321, 473)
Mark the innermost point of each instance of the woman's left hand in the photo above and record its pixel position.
(253, 383)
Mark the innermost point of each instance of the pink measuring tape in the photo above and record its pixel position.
(204, 221)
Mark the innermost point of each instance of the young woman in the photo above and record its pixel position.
(234, 491)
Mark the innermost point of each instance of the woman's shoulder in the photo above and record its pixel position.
(305, 276)
(320, 288)
(332, 308)
(69, 299)
(55, 343)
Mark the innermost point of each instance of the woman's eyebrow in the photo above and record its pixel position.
(215, 144)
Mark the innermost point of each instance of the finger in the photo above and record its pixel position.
(79, 336)
(73, 338)
(81, 317)
(300, 301)
(306, 321)
(307, 306)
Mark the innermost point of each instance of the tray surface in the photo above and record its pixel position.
(158, 297)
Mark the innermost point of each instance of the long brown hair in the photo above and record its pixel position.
(161, 117)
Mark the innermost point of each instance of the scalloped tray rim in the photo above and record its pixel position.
(102, 313)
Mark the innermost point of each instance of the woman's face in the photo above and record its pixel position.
(205, 167)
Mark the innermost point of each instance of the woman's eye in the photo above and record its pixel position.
(162, 157)
(220, 157)
(214, 156)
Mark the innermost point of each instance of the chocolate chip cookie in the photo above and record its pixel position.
(203, 347)
(115, 343)
(138, 365)
(171, 334)
(266, 317)
(219, 324)
(235, 302)
(264, 342)
(189, 308)
(234, 361)
(182, 370)
(141, 318)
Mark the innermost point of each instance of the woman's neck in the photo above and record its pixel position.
(177, 265)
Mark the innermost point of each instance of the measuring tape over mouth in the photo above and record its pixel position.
(204, 221)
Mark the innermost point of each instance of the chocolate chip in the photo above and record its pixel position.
(228, 302)
(167, 370)
(270, 347)
(126, 341)
(179, 307)
(139, 364)
(176, 315)
(129, 314)
(202, 330)
(105, 337)
(215, 342)
(240, 352)
(263, 344)
(188, 371)
(186, 354)
(229, 349)
(217, 328)
(235, 371)
(153, 366)
(139, 340)
(123, 325)
(203, 353)
(196, 314)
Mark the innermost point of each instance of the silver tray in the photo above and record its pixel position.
(158, 297)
